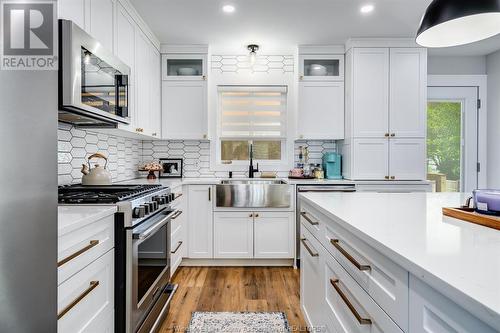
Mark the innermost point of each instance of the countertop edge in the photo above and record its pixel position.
(110, 210)
(466, 301)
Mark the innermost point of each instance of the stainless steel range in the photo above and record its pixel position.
(142, 250)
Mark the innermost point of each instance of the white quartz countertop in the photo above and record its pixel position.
(71, 217)
(459, 259)
(173, 182)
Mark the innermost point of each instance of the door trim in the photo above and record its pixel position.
(481, 82)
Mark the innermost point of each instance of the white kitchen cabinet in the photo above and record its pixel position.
(184, 110)
(184, 67)
(321, 67)
(74, 10)
(385, 105)
(407, 159)
(101, 21)
(143, 83)
(93, 287)
(155, 93)
(321, 110)
(368, 92)
(200, 221)
(233, 235)
(432, 312)
(311, 280)
(273, 235)
(408, 92)
(370, 159)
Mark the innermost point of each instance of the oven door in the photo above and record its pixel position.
(150, 264)
(94, 82)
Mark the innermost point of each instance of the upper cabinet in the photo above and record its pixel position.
(74, 10)
(385, 108)
(321, 93)
(184, 92)
(184, 67)
(321, 67)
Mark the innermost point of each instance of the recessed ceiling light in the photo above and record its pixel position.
(366, 9)
(228, 9)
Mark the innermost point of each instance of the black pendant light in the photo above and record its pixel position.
(458, 22)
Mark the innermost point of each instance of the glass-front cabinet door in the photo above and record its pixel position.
(321, 67)
(184, 67)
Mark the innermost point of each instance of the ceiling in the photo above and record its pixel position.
(282, 24)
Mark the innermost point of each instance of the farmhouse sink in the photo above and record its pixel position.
(253, 193)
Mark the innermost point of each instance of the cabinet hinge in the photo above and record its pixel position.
(478, 103)
(478, 167)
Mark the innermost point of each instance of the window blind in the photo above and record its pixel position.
(252, 112)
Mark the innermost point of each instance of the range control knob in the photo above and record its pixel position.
(138, 212)
(158, 200)
(172, 196)
(155, 205)
(166, 198)
(146, 208)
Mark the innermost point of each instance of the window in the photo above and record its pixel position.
(252, 115)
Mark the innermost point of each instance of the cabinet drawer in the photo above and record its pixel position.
(85, 301)
(80, 247)
(310, 219)
(177, 248)
(349, 309)
(382, 279)
(430, 312)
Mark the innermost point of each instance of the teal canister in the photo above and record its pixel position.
(332, 165)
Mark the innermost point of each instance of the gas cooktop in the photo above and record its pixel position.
(74, 194)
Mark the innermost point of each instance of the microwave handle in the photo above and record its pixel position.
(121, 80)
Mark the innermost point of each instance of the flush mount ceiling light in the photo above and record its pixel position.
(228, 9)
(253, 48)
(366, 9)
(458, 22)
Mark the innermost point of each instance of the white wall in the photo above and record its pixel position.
(493, 70)
(450, 65)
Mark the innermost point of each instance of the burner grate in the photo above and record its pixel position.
(75, 194)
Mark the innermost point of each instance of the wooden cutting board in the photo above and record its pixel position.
(469, 215)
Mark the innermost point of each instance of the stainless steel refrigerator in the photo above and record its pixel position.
(28, 201)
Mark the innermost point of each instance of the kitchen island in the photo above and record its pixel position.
(452, 262)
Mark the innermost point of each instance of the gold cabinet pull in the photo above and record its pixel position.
(304, 215)
(177, 247)
(335, 243)
(361, 320)
(93, 285)
(309, 248)
(177, 214)
(92, 243)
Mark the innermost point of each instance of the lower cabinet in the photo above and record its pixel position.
(200, 218)
(85, 301)
(244, 235)
(233, 235)
(430, 311)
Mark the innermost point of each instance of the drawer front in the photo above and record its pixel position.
(432, 312)
(85, 301)
(349, 309)
(82, 246)
(178, 248)
(311, 274)
(310, 219)
(382, 279)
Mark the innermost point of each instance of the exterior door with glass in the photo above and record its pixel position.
(452, 138)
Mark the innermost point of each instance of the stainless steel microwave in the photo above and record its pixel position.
(93, 82)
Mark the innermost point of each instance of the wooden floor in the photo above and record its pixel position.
(234, 289)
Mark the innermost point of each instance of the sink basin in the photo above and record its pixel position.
(252, 181)
(253, 193)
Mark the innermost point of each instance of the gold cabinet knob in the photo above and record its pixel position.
(386, 177)
(205, 136)
(393, 134)
(256, 215)
(153, 134)
(301, 77)
(392, 177)
(204, 77)
(251, 215)
(386, 135)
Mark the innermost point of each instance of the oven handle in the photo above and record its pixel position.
(154, 228)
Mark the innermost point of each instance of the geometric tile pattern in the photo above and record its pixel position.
(263, 63)
(196, 155)
(316, 149)
(74, 145)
